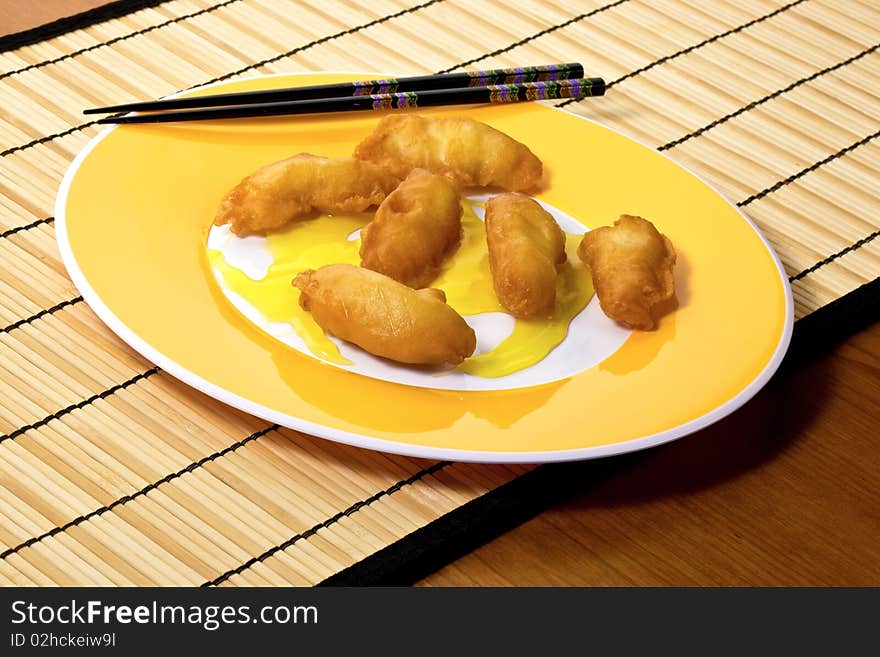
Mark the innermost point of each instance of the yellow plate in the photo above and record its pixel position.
(136, 205)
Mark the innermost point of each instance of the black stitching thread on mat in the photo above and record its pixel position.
(123, 37)
(78, 21)
(33, 224)
(760, 101)
(263, 62)
(812, 167)
(42, 313)
(521, 42)
(317, 42)
(834, 256)
(143, 491)
(85, 402)
(47, 138)
(460, 531)
(690, 49)
(328, 522)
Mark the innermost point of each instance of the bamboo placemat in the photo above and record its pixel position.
(114, 473)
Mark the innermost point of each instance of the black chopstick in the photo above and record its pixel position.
(542, 73)
(505, 93)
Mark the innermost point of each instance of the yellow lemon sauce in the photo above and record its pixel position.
(465, 279)
(304, 245)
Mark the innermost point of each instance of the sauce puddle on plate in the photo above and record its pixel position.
(465, 279)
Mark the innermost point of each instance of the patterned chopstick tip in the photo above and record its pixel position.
(522, 74)
(577, 89)
(501, 93)
(399, 100)
(375, 87)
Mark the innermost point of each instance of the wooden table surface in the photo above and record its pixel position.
(785, 491)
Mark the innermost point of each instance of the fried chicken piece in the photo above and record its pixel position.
(469, 152)
(416, 227)
(384, 317)
(525, 245)
(292, 189)
(631, 265)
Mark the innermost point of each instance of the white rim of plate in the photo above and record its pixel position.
(381, 444)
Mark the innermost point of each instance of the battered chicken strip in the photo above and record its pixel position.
(294, 188)
(525, 245)
(384, 317)
(631, 265)
(469, 152)
(415, 228)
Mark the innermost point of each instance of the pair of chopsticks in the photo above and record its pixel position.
(509, 85)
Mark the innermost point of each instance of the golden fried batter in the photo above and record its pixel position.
(631, 264)
(525, 245)
(384, 317)
(469, 152)
(415, 228)
(292, 189)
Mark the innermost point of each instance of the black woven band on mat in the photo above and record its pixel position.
(460, 531)
(76, 22)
